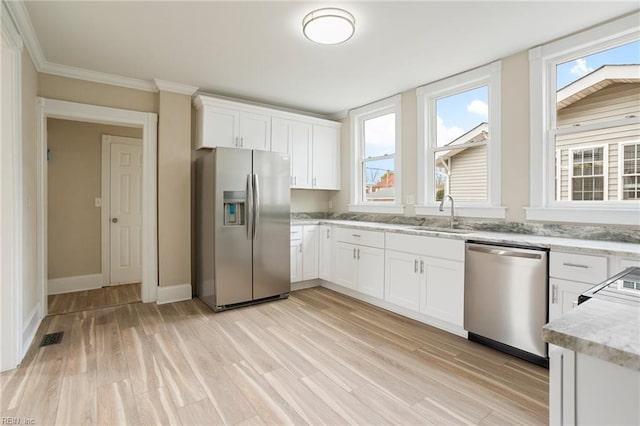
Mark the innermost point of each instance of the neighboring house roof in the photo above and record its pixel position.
(477, 134)
(596, 80)
(388, 180)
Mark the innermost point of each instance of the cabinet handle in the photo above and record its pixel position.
(354, 253)
(415, 266)
(422, 266)
(327, 233)
(554, 294)
(575, 265)
(314, 181)
(358, 254)
(241, 142)
(295, 180)
(237, 142)
(300, 247)
(355, 235)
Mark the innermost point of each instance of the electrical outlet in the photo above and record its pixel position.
(98, 202)
(410, 199)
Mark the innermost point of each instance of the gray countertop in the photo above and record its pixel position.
(602, 329)
(628, 250)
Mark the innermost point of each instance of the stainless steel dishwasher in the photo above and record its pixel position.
(505, 298)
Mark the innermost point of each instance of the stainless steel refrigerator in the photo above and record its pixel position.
(242, 212)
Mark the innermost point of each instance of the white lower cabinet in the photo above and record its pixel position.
(324, 261)
(563, 296)
(358, 261)
(370, 271)
(403, 279)
(345, 273)
(310, 249)
(442, 295)
(296, 260)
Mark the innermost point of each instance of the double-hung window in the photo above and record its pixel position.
(459, 143)
(375, 134)
(585, 126)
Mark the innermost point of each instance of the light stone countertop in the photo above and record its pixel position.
(628, 250)
(599, 328)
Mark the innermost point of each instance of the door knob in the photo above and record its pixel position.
(114, 220)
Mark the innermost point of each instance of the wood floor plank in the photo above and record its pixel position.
(156, 407)
(144, 371)
(82, 355)
(199, 413)
(110, 360)
(392, 409)
(78, 398)
(117, 404)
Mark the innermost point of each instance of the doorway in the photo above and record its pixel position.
(147, 122)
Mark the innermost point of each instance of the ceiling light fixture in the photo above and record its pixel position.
(329, 26)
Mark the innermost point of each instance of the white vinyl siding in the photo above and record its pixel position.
(468, 180)
(613, 102)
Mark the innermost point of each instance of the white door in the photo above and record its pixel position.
(324, 267)
(310, 255)
(443, 295)
(220, 127)
(344, 262)
(402, 279)
(371, 271)
(255, 131)
(125, 217)
(326, 158)
(301, 155)
(296, 261)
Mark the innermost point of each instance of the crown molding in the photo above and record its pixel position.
(170, 86)
(98, 77)
(18, 12)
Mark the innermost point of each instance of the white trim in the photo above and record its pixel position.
(489, 212)
(97, 114)
(301, 285)
(11, 216)
(357, 117)
(76, 283)
(32, 322)
(105, 210)
(542, 77)
(605, 170)
(621, 174)
(442, 325)
(170, 86)
(490, 76)
(174, 293)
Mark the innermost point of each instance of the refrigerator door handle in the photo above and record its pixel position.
(249, 208)
(256, 204)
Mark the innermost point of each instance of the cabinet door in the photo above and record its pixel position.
(296, 261)
(562, 391)
(326, 157)
(402, 279)
(301, 155)
(442, 295)
(344, 263)
(563, 296)
(281, 135)
(370, 271)
(324, 266)
(310, 255)
(255, 131)
(219, 127)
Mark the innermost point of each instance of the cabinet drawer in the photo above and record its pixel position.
(296, 233)
(578, 267)
(361, 237)
(443, 248)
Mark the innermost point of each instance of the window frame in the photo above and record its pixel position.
(489, 75)
(605, 170)
(357, 117)
(543, 129)
(621, 174)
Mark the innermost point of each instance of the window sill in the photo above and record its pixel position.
(484, 212)
(612, 216)
(377, 208)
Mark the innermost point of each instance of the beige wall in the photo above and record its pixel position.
(174, 189)
(87, 92)
(30, 290)
(515, 143)
(309, 200)
(74, 181)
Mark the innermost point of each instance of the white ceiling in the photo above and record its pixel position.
(256, 50)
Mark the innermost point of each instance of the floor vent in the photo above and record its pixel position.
(52, 338)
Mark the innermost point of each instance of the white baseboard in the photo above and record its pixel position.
(174, 293)
(451, 328)
(31, 324)
(301, 285)
(77, 283)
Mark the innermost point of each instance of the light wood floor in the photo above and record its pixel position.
(315, 358)
(92, 299)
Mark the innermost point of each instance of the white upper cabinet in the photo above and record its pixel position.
(313, 144)
(326, 157)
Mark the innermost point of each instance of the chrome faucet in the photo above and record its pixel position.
(441, 208)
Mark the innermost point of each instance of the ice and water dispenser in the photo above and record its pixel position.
(234, 205)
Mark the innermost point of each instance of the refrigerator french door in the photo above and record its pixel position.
(242, 227)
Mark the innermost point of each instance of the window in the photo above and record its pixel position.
(629, 188)
(584, 110)
(588, 179)
(459, 143)
(376, 150)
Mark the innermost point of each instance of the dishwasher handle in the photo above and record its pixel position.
(503, 251)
